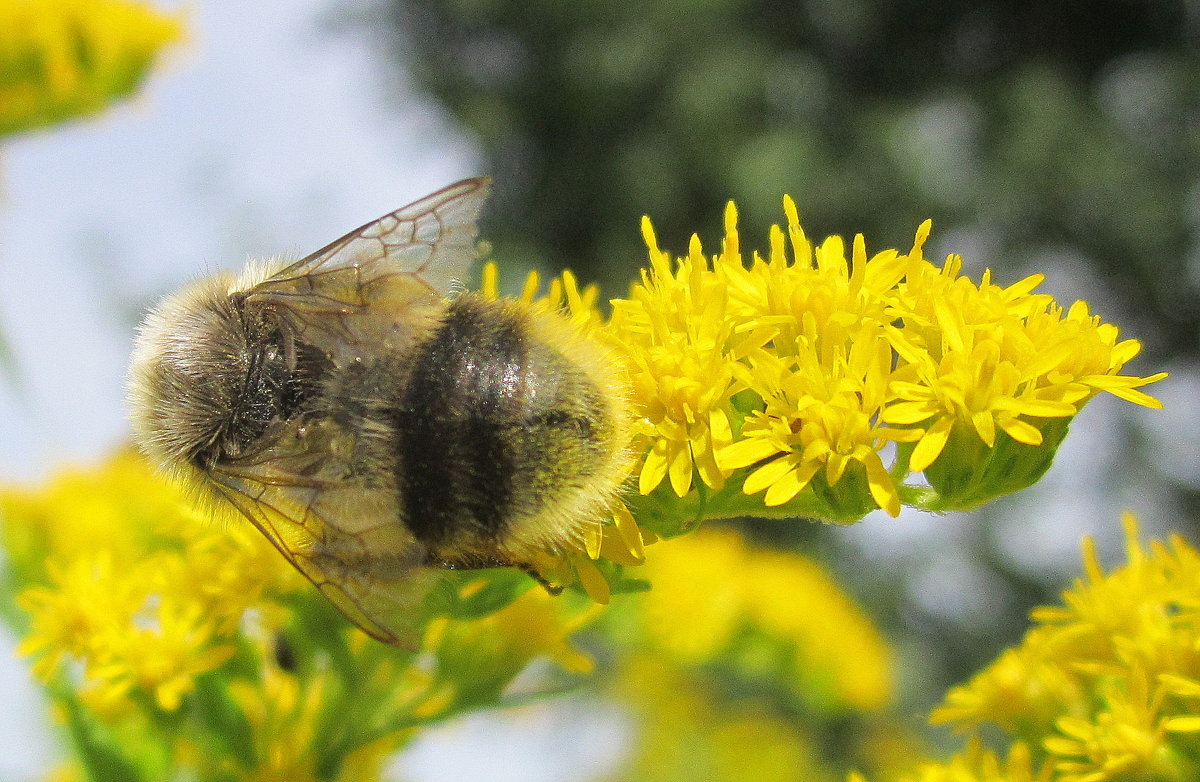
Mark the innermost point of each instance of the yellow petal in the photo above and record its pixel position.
(883, 489)
(905, 413)
(791, 484)
(766, 475)
(592, 580)
(627, 528)
(712, 475)
(1040, 408)
(835, 467)
(593, 536)
(680, 468)
(718, 428)
(746, 452)
(985, 426)
(1024, 286)
(1181, 685)
(1183, 725)
(931, 445)
(490, 287)
(1137, 397)
(655, 467)
(1021, 431)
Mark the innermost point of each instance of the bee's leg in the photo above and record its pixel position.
(465, 562)
(532, 572)
(476, 562)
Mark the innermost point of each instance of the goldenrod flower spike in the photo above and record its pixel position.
(819, 383)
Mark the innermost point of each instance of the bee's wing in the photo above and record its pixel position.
(431, 241)
(350, 294)
(371, 570)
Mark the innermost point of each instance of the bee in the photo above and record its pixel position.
(377, 428)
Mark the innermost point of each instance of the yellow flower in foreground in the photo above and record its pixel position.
(991, 358)
(678, 334)
(819, 381)
(61, 59)
(823, 420)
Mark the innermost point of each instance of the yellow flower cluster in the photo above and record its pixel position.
(155, 627)
(61, 59)
(769, 614)
(805, 372)
(1104, 687)
(139, 586)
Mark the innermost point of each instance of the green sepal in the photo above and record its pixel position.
(617, 577)
(847, 501)
(668, 515)
(968, 474)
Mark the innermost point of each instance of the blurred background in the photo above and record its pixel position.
(1055, 136)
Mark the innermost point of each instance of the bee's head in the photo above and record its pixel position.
(188, 372)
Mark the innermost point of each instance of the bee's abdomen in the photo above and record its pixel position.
(491, 427)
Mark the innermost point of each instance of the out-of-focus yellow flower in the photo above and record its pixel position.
(685, 732)
(66, 772)
(140, 590)
(71, 615)
(979, 764)
(488, 652)
(712, 594)
(163, 634)
(1103, 688)
(284, 715)
(62, 59)
(163, 660)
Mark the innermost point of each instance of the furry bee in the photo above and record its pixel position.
(375, 427)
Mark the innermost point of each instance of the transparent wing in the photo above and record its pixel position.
(431, 241)
(365, 563)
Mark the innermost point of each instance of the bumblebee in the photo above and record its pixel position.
(376, 428)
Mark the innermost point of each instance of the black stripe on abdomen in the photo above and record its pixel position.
(454, 423)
